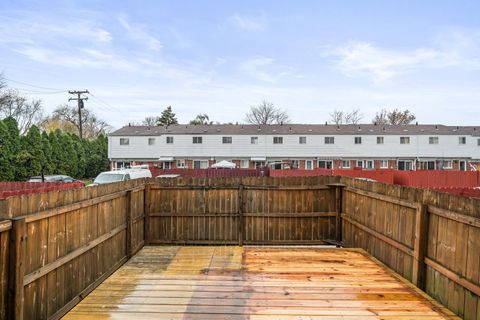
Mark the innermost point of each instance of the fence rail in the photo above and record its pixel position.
(56, 247)
(430, 238)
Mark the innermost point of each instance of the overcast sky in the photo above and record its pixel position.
(221, 57)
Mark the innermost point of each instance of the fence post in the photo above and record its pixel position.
(420, 246)
(241, 222)
(146, 210)
(129, 222)
(16, 261)
(338, 209)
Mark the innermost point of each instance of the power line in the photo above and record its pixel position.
(33, 86)
(38, 92)
(105, 103)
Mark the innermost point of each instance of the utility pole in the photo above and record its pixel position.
(79, 99)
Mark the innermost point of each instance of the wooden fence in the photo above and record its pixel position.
(431, 238)
(56, 247)
(243, 211)
(63, 244)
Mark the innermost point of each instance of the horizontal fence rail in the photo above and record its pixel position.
(56, 247)
(430, 238)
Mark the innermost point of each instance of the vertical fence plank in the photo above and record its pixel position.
(146, 203)
(15, 281)
(420, 246)
(241, 221)
(129, 222)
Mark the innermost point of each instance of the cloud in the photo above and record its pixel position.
(452, 48)
(255, 68)
(139, 33)
(248, 23)
(365, 60)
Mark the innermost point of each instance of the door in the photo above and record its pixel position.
(463, 165)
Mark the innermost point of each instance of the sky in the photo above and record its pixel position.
(222, 57)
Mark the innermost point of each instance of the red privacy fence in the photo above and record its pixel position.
(212, 173)
(8, 189)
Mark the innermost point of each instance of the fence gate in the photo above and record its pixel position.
(243, 214)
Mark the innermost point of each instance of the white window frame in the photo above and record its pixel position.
(369, 164)
(329, 140)
(253, 140)
(447, 164)
(462, 141)
(151, 141)
(478, 142)
(200, 166)
(169, 140)
(277, 140)
(308, 167)
(357, 140)
(197, 140)
(404, 140)
(362, 164)
(382, 164)
(124, 141)
(302, 140)
(346, 166)
(242, 164)
(326, 164)
(380, 140)
(433, 140)
(181, 163)
(295, 164)
(227, 140)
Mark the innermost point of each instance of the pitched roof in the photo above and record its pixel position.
(295, 129)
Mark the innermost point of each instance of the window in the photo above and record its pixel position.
(308, 165)
(404, 140)
(358, 140)
(295, 164)
(227, 140)
(432, 140)
(405, 165)
(478, 142)
(462, 140)
(380, 140)
(180, 163)
(124, 141)
(302, 140)
(167, 165)
(325, 164)
(369, 164)
(345, 163)
(197, 140)
(447, 164)
(329, 140)
(427, 165)
(383, 164)
(254, 140)
(151, 141)
(278, 140)
(244, 164)
(200, 164)
(169, 140)
(359, 164)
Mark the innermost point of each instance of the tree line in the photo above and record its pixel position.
(267, 113)
(56, 152)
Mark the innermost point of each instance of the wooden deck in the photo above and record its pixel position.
(255, 283)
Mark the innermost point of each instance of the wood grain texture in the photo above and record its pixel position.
(254, 282)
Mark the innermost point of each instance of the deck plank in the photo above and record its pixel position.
(257, 283)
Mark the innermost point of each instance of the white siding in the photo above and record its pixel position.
(344, 147)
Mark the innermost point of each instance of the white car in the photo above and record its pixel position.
(122, 175)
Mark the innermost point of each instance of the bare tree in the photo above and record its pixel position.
(395, 117)
(341, 117)
(66, 118)
(149, 121)
(201, 118)
(26, 113)
(267, 113)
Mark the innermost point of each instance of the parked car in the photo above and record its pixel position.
(53, 178)
(122, 175)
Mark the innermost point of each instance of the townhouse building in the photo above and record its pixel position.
(302, 146)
